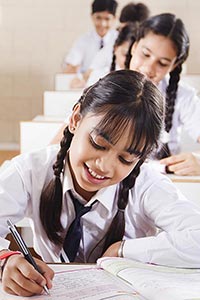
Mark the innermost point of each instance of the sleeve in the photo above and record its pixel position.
(177, 242)
(13, 199)
(189, 107)
(75, 55)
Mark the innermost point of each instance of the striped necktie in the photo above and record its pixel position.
(74, 234)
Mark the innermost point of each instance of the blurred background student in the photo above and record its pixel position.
(115, 60)
(87, 46)
(131, 14)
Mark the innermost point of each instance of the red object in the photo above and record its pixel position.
(9, 253)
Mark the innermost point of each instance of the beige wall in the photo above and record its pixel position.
(34, 37)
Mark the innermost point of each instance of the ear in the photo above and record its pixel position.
(75, 119)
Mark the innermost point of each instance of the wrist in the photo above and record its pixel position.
(4, 255)
(120, 250)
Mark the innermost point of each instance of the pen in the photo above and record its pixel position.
(24, 249)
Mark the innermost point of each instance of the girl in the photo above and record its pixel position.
(115, 59)
(113, 128)
(160, 49)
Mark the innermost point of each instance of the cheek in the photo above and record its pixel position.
(122, 172)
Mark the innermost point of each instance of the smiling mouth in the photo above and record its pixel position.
(95, 175)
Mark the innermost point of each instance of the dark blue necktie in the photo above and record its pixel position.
(74, 234)
(101, 44)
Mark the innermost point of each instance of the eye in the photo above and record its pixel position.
(95, 145)
(146, 54)
(125, 162)
(163, 64)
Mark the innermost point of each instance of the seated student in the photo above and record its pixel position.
(87, 46)
(160, 49)
(133, 12)
(131, 15)
(115, 60)
(100, 167)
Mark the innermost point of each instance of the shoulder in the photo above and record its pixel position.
(37, 160)
(84, 38)
(150, 180)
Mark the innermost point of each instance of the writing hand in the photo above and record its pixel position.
(20, 277)
(183, 164)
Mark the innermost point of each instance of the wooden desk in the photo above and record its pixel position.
(188, 185)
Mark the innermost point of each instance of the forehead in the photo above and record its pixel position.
(159, 44)
(119, 134)
(104, 15)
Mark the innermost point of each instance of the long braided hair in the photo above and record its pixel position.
(126, 34)
(173, 28)
(124, 99)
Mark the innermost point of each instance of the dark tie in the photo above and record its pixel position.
(74, 234)
(101, 43)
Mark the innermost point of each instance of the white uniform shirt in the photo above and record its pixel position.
(86, 48)
(154, 202)
(186, 114)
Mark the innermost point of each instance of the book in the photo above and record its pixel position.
(120, 279)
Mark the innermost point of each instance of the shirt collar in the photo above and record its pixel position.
(105, 196)
(106, 38)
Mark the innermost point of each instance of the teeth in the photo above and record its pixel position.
(95, 175)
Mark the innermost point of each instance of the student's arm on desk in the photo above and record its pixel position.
(183, 163)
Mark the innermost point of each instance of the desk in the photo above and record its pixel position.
(131, 279)
(188, 185)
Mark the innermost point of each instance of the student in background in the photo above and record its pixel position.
(131, 15)
(160, 49)
(100, 164)
(87, 46)
(115, 60)
(133, 12)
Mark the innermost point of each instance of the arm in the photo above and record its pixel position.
(183, 163)
(177, 242)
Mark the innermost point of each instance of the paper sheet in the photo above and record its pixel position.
(87, 283)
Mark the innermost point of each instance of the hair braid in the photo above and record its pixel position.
(171, 92)
(51, 197)
(117, 228)
(113, 64)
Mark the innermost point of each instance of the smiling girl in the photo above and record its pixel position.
(160, 49)
(100, 165)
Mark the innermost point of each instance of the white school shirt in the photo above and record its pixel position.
(154, 202)
(186, 114)
(86, 48)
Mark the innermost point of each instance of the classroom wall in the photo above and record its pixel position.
(34, 37)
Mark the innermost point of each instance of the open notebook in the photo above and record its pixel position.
(121, 279)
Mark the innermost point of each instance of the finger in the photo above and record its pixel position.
(174, 159)
(15, 289)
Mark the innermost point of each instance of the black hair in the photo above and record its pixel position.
(123, 98)
(173, 28)
(104, 5)
(133, 12)
(126, 34)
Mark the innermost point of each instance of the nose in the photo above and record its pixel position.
(105, 164)
(148, 69)
(104, 23)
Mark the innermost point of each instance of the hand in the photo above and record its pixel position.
(112, 251)
(20, 278)
(77, 83)
(183, 164)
